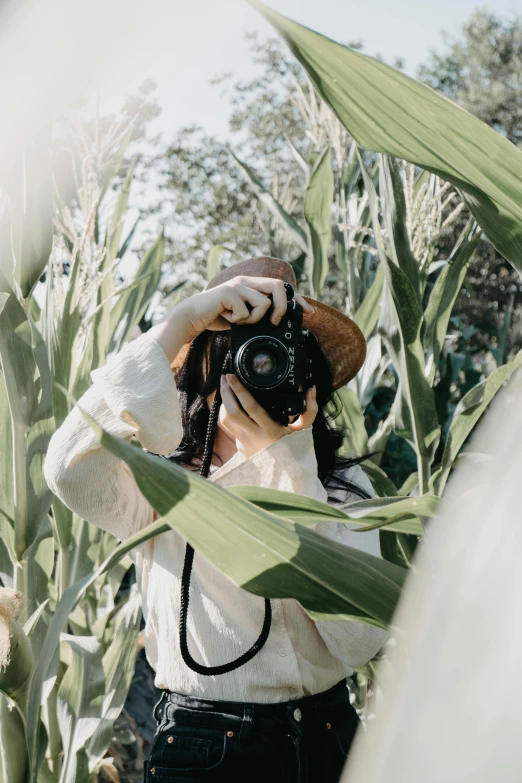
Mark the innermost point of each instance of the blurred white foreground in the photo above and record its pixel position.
(453, 708)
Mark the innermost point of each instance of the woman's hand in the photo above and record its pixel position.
(250, 424)
(226, 304)
(219, 307)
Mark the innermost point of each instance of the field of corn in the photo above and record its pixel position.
(394, 165)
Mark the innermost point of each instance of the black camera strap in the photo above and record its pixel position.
(187, 570)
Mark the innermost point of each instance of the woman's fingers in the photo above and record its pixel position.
(307, 418)
(242, 300)
(233, 419)
(251, 407)
(268, 285)
(304, 304)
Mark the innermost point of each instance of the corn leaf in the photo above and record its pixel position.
(101, 331)
(64, 340)
(381, 483)
(133, 302)
(401, 318)
(26, 374)
(444, 294)
(306, 511)
(387, 111)
(467, 413)
(270, 557)
(367, 316)
(351, 421)
(80, 698)
(318, 215)
(13, 760)
(118, 666)
(273, 206)
(393, 204)
(31, 208)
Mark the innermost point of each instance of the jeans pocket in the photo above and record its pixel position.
(185, 749)
(345, 728)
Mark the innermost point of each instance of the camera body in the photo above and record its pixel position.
(271, 362)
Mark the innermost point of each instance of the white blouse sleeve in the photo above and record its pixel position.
(133, 394)
(352, 642)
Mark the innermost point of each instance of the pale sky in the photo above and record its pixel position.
(202, 38)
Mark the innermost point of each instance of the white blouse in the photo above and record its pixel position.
(135, 394)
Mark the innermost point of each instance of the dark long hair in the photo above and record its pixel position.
(199, 376)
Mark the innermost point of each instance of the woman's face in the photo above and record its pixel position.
(211, 396)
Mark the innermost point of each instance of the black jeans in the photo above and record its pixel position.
(301, 741)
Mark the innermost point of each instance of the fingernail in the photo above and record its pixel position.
(223, 380)
(231, 379)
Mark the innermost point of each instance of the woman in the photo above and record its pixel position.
(279, 709)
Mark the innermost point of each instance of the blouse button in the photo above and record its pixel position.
(282, 652)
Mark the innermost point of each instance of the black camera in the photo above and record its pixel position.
(271, 362)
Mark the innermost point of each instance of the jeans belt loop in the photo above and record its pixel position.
(157, 708)
(246, 723)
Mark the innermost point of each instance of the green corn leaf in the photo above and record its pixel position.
(387, 111)
(270, 556)
(415, 416)
(8, 558)
(133, 302)
(213, 257)
(116, 162)
(381, 483)
(80, 699)
(101, 331)
(26, 374)
(318, 215)
(398, 549)
(367, 316)
(63, 341)
(13, 758)
(467, 413)
(118, 666)
(351, 421)
(393, 203)
(39, 563)
(128, 239)
(444, 294)
(305, 511)
(273, 206)
(30, 188)
(382, 509)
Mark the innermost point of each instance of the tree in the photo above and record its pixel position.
(483, 71)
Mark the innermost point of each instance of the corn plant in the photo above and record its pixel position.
(46, 357)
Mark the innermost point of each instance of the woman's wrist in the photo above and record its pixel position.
(174, 330)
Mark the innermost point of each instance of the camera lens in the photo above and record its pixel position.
(262, 362)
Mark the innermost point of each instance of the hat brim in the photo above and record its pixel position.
(340, 339)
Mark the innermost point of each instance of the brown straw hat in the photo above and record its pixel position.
(341, 340)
